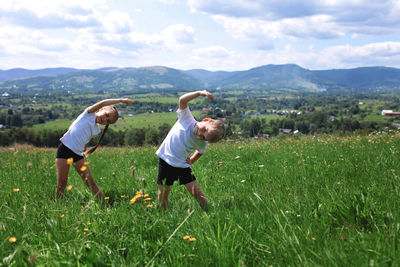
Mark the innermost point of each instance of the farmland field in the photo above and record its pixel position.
(312, 201)
(141, 120)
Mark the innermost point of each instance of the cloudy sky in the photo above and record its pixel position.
(208, 34)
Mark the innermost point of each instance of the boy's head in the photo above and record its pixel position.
(209, 130)
(107, 115)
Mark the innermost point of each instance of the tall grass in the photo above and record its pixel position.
(326, 201)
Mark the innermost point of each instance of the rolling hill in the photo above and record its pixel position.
(160, 78)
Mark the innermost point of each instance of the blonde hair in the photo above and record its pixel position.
(217, 131)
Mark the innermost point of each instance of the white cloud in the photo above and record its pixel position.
(118, 22)
(352, 56)
(49, 14)
(176, 36)
(212, 52)
(303, 19)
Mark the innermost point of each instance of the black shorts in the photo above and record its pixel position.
(64, 152)
(169, 174)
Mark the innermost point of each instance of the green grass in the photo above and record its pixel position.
(323, 201)
(142, 120)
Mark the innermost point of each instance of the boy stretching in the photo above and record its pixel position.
(185, 143)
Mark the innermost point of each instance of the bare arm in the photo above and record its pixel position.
(194, 157)
(107, 102)
(186, 98)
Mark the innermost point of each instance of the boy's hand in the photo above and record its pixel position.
(189, 161)
(207, 94)
(126, 101)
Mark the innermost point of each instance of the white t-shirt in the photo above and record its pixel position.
(181, 142)
(80, 132)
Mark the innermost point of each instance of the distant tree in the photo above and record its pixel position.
(163, 130)
(135, 137)
(151, 136)
(16, 120)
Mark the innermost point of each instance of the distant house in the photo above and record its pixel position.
(285, 131)
(261, 136)
(396, 125)
(390, 113)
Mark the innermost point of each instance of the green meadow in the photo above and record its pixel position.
(141, 120)
(309, 201)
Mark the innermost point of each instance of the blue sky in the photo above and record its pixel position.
(207, 34)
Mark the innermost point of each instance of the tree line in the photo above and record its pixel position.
(50, 138)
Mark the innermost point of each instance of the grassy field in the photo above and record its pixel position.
(142, 120)
(322, 201)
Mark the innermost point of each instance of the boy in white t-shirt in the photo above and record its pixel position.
(185, 143)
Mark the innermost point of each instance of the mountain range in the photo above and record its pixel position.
(160, 78)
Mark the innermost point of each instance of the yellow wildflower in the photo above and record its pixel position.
(12, 239)
(147, 199)
(85, 229)
(186, 237)
(83, 168)
(70, 161)
(16, 189)
(62, 215)
(69, 187)
(149, 206)
(106, 198)
(192, 239)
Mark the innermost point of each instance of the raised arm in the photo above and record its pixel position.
(186, 98)
(107, 102)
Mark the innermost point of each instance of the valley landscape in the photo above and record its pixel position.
(306, 175)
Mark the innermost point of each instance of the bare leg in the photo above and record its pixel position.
(163, 194)
(195, 191)
(160, 192)
(62, 176)
(86, 175)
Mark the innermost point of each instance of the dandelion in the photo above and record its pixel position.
(78, 231)
(16, 189)
(86, 163)
(85, 229)
(146, 195)
(62, 215)
(106, 198)
(135, 198)
(192, 239)
(313, 238)
(69, 187)
(88, 223)
(83, 168)
(12, 239)
(147, 199)
(70, 161)
(149, 206)
(186, 237)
